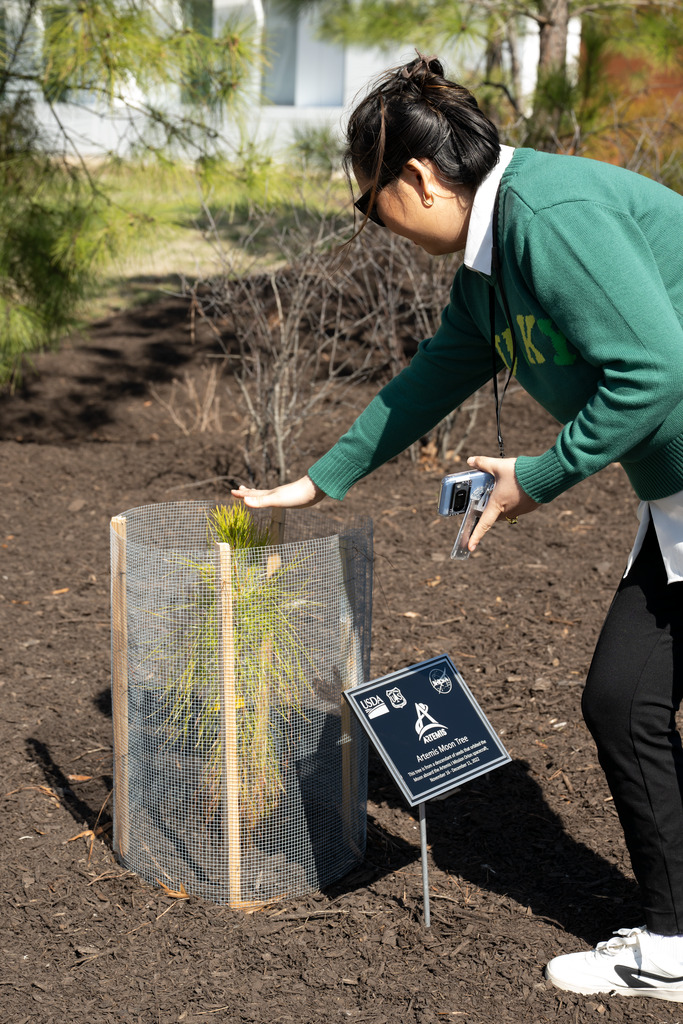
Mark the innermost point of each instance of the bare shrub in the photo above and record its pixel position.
(325, 314)
(404, 291)
(193, 405)
(287, 341)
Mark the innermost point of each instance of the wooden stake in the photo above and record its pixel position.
(119, 668)
(350, 678)
(277, 525)
(231, 788)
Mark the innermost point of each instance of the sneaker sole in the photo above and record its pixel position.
(670, 995)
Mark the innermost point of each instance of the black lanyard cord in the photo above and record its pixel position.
(495, 266)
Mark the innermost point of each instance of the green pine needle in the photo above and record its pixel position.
(235, 525)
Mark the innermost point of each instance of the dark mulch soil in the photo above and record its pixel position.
(526, 862)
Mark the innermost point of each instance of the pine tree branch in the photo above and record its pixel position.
(510, 98)
(79, 156)
(625, 5)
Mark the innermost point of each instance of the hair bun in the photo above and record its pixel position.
(421, 67)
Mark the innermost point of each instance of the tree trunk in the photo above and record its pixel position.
(512, 40)
(553, 36)
(551, 74)
(494, 54)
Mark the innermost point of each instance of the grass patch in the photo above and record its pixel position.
(191, 211)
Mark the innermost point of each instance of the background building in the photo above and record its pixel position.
(303, 81)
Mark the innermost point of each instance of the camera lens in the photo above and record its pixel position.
(460, 499)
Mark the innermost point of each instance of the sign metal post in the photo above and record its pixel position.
(425, 866)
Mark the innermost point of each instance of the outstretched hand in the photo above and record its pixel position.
(299, 494)
(507, 500)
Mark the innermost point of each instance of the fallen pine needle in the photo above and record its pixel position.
(109, 875)
(81, 835)
(463, 911)
(176, 894)
(169, 907)
(145, 924)
(85, 832)
(85, 753)
(85, 960)
(91, 834)
(42, 789)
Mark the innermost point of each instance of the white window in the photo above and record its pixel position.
(301, 70)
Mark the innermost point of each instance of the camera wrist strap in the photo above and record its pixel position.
(495, 266)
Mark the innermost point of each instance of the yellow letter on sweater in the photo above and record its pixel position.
(526, 324)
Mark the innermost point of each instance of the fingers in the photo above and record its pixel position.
(486, 464)
(254, 498)
(489, 516)
(507, 498)
(298, 494)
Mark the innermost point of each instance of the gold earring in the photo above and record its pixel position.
(428, 202)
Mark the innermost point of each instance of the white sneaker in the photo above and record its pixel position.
(620, 965)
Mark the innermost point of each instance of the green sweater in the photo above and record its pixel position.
(592, 263)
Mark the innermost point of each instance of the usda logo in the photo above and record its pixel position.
(374, 706)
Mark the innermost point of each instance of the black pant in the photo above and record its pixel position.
(633, 691)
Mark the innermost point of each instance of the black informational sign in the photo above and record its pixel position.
(427, 728)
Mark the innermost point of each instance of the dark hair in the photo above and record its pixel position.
(415, 112)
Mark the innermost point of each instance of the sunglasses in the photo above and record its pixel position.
(362, 205)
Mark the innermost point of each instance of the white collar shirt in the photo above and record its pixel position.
(480, 231)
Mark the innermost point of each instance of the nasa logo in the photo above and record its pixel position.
(440, 680)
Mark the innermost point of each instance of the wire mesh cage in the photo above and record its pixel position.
(240, 774)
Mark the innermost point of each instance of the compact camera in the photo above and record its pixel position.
(466, 495)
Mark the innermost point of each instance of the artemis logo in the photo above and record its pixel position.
(374, 706)
(427, 727)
